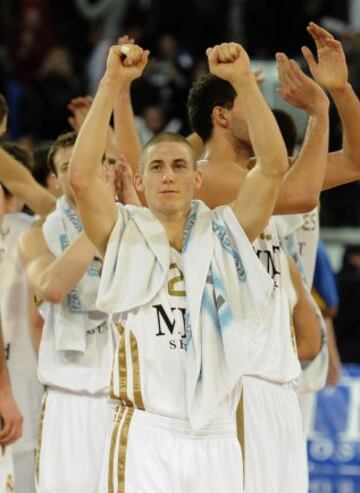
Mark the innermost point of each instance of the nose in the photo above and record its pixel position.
(168, 176)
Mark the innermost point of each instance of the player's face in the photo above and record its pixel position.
(168, 179)
(61, 161)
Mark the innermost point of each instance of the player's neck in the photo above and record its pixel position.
(174, 226)
(12, 205)
(220, 152)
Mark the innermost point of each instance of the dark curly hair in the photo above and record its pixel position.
(209, 91)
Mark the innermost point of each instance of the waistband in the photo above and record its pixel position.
(182, 428)
(290, 386)
(74, 393)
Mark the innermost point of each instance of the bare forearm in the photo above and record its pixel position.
(20, 182)
(302, 185)
(127, 138)
(62, 275)
(348, 106)
(265, 136)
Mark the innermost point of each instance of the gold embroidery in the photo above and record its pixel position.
(122, 368)
(10, 483)
(122, 449)
(175, 280)
(136, 372)
(265, 236)
(241, 430)
(39, 437)
(293, 337)
(118, 417)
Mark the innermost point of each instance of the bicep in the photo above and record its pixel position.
(98, 213)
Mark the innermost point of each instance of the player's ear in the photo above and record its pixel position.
(220, 117)
(138, 183)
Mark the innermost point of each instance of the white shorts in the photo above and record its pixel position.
(72, 438)
(274, 446)
(148, 453)
(6, 470)
(24, 471)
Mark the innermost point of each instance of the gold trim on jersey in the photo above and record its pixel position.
(240, 425)
(136, 372)
(39, 437)
(175, 280)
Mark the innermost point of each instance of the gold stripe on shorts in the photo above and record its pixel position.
(136, 372)
(241, 429)
(122, 449)
(39, 437)
(118, 417)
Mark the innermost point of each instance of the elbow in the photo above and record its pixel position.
(308, 350)
(50, 292)
(78, 180)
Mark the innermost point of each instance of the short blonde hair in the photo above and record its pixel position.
(165, 137)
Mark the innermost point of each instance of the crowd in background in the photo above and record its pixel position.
(52, 51)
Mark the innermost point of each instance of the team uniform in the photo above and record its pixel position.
(155, 444)
(20, 352)
(306, 237)
(6, 470)
(274, 448)
(76, 351)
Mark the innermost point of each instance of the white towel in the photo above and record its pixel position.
(227, 292)
(77, 312)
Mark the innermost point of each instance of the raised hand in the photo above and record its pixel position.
(330, 71)
(79, 108)
(124, 182)
(229, 61)
(126, 62)
(298, 89)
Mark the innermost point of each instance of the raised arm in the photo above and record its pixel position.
(95, 203)
(302, 185)
(20, 182)
(51, 278)
(257, 196)
(331, 72)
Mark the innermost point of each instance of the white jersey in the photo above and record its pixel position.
(87, 372)
(14, 312)
(307, 236)
(279, 361)
(155, 358)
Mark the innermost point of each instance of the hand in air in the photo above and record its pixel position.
(126, 62)
(298, 89)
(230, 62)
(330, 71)
(79, 108)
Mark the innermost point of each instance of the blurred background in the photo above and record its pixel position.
(54, 50)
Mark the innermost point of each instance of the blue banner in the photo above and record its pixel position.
(334, 436)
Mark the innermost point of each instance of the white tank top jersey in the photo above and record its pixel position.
(150, 363)
(307, 236)
(87, 372)
(278, 361)
(14, 306)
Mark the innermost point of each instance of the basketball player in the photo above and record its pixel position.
(163, 437)
(77, 344)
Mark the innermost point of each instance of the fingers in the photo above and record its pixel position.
(319, 35)
(11, 431)
(125, 40)
(224, 53)
(309, 57)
